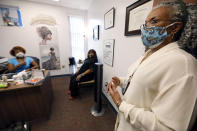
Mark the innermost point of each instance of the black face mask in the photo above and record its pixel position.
(91, 56)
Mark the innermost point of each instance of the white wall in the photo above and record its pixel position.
(26, 36)
(127, 49)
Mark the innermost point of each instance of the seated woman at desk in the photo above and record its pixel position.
(20, 62)
(85, 73)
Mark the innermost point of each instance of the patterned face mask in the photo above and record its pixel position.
(152, 37)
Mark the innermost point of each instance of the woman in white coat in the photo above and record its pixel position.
(160, 89)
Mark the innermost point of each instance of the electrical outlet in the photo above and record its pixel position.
(106, 83)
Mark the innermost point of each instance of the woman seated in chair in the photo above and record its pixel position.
(20, 62)
(85, 73)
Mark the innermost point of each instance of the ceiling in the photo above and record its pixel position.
(77, 4)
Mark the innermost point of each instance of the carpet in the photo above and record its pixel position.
(74, 115)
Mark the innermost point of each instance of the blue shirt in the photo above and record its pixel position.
(15, 62)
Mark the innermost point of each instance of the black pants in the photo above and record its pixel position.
(74, 83)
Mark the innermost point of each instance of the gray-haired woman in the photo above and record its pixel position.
(159, 92)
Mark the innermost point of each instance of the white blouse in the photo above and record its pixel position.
(162, 92)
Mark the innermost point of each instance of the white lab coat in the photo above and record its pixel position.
(162, 93)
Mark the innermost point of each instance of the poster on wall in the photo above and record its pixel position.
(50, 58)
(108, 51)
(49, 49)
(109, 18)
(10, 16)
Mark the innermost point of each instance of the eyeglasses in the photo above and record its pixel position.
(149, 27)
(146, 27)
(155, 21)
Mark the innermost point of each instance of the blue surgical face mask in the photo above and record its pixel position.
(152, 37)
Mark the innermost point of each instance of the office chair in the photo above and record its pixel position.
(72, 61)
(37, 60)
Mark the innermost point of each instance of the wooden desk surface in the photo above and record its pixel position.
(25, 102)
(12, 86)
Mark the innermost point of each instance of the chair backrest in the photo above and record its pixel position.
(72, 61)
(3, 67)
(37, 60)
(9, 75)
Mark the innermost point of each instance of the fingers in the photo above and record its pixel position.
(113, 87)
(116, 80)
(23, 63)
(78, 78)
(114, 77)
(110, 91)
(109, 86)
(114, 94)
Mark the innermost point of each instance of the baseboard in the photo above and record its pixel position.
(109, 103)
(54, 76)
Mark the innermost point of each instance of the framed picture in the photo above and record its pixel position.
(109, 18)
(96, 33)
(108, 51)
(10, 16)
(136, 14)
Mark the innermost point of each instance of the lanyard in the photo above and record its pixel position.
(128, 83)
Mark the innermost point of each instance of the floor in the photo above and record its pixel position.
(74, 115)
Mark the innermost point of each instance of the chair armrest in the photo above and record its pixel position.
(86, 82)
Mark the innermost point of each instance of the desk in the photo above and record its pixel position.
(25, 102)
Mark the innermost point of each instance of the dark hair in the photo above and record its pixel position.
(12, 51)
(92, 51)
(51, 48)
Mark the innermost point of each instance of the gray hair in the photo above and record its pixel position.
(187, 14)
(43, 31)
(188, 39)
(178, 12)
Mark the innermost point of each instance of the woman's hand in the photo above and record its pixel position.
(22, 63)
(28, 70)
(116, 81)
(79, 77)
(12, 68)
(114, 94)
